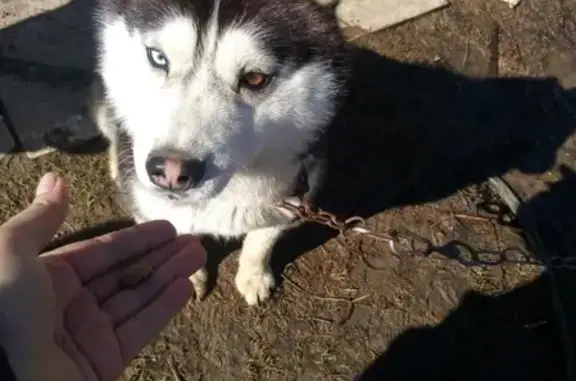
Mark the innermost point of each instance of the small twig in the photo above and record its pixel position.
(371, 266)
(360, 298)
(323, 320)
(466, 53)
(325, 298)
(348, 315)
(475, 218)
(175, 373)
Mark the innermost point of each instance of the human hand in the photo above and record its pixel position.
(65, 314)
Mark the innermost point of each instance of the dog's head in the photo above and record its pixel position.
(207, 88)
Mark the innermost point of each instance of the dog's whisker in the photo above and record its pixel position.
(244, 167)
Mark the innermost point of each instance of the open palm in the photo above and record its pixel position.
(81, 312)
(102, 324)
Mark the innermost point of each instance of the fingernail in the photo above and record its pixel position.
(46, 184)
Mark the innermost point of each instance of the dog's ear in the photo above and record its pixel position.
(329, 5)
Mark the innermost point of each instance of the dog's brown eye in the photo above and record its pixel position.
(254, 80)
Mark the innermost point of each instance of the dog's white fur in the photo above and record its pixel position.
(253, 138)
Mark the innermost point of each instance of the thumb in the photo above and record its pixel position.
(31, 230)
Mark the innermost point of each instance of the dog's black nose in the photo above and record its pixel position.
(172, 172)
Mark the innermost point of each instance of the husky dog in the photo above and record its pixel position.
(212, 109)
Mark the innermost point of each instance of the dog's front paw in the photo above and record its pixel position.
(255, 284)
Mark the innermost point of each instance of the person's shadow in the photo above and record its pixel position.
(519, 335)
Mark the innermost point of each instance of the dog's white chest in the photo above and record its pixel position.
(224, 217)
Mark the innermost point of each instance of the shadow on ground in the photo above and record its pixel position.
(486, 338)
(514, 336)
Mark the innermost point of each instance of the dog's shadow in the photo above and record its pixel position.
(410, 134)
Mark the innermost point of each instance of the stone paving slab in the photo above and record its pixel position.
(373, 15)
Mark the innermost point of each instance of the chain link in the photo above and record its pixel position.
(418, 246)
(562, 263)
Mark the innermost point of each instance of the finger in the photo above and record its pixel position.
(94, 257)
(128, 303)
(105, 286)
(136, 333)
(31, 230)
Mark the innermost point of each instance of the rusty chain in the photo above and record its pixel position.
(419, 246)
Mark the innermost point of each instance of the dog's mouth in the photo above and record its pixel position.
(172, 194)
(207, 190)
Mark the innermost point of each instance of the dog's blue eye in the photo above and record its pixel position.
(157, 59)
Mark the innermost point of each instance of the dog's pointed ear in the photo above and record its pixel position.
(330, 5)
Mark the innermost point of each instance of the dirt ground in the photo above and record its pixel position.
(426, 125)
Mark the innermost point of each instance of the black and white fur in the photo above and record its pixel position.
(257, 141)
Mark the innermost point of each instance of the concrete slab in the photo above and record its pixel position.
(372, 15)
(44, 77)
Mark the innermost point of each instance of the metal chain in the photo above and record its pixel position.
(562, 263)
(417, 246)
